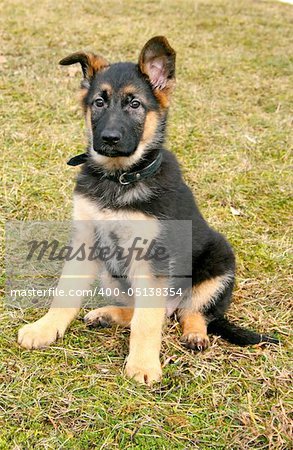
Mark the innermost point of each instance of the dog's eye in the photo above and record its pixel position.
(99, 102)
(135, 104)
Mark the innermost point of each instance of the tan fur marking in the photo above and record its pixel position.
(129, 89)
(119, 315)
(150, 126)
(190, 315)
(81, 96)
(193, 323)
(106, 87)
(122, 316)
(163, 96)
(96, 63)
(194, 331)
(204, 293)
(88, 119)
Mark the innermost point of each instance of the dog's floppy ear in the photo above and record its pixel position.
(90, 63)
(157, 61)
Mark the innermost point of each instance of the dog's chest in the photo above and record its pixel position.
(116, 231)
(124, 241)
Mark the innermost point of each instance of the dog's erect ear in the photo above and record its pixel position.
(157, 61)
(90, 63)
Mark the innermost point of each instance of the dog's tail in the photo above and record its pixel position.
(237, 335)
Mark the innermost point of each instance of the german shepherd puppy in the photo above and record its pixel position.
(128, 174)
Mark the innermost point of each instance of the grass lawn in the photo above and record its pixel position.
(230, 128)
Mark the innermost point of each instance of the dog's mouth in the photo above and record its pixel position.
(113, 151)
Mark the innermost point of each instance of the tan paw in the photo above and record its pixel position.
(98, 318)
(144, 374)
(39, 334)
(195, 341)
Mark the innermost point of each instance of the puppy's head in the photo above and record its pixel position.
(125, 104)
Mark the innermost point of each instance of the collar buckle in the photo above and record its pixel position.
(121, 179)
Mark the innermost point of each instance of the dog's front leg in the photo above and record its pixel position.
(143, 363)
(77, 276)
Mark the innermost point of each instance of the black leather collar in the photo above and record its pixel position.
(125, 177)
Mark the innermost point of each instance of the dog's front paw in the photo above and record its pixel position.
(145, 373)
(195, 341)
(39, 334)
(97, 318)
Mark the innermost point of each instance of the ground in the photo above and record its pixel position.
(229, 126)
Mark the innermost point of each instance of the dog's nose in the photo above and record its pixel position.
(111, 136)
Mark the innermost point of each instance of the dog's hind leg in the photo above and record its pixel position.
(192, 314)
(194, 330)
(77, 276)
